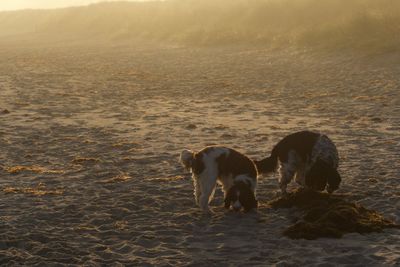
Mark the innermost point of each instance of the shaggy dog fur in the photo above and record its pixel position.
(234, 171)
(311, 157)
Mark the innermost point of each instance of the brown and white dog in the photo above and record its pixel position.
(311, 157)
(234, 171)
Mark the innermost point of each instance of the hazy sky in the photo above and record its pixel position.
(22, 4)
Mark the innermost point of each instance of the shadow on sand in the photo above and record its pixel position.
(326, 215)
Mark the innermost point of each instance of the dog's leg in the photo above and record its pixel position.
(286, 172)
(208, 180)
(288, 169)
(197, 190)
(300, 177)
(226, 182)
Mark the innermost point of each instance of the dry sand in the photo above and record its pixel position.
(89, 170)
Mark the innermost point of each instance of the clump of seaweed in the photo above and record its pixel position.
(328, 215)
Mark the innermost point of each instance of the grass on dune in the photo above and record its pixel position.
(357, 24)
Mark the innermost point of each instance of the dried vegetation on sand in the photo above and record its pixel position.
(328, 215)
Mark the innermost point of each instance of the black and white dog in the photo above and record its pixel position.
(234, 171)
(311, 156)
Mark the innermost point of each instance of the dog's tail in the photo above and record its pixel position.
(268, 164)
(186, 159)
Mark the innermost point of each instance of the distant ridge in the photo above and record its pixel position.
(366, 24)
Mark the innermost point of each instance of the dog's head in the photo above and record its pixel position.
(322, 174)
(186, 159)
(316, 177)
(334, 180)
(241, 196)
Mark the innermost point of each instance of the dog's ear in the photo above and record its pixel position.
(333, 178)
(248, 200)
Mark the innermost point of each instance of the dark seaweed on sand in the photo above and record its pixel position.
(328, 215)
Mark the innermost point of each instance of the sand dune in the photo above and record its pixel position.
(89, 152)
(367, 25)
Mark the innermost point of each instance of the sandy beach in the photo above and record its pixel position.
(90, 139)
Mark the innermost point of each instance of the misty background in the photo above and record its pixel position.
(356, 24)
(47, 4)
